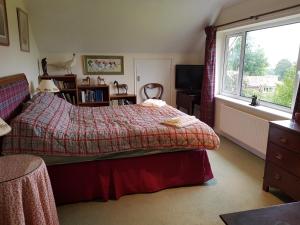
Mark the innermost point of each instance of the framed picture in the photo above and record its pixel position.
(4, 35)
(23, 30)
(103, 65)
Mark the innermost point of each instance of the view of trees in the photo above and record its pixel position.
(284, 92)
(256, 64)
(234, 53)
(282, 67)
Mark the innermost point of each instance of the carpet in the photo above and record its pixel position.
(237, 186)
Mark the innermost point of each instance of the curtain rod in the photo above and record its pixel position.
(258, 15)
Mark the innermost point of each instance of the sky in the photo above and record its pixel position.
(281, 42)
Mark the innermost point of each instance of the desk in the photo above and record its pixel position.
(286, 214)
(25, 192)
(129, 97)
(187, 101)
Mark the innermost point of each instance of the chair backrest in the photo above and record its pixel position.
(151, 86)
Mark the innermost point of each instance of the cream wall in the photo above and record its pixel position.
(12, 59)
(254, 7)
(129, 67)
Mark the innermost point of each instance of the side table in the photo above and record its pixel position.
(26, 196)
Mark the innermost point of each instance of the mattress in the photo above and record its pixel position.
(59, 160)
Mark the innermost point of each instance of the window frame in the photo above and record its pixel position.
(243, 32)
(238, 88)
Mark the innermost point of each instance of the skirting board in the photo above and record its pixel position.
(247, 147)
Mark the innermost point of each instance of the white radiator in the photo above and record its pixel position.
(250, 130)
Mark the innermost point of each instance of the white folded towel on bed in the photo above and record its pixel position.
(154, 103)
(181, 121)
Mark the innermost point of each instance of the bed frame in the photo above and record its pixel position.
(10, 106)
(109, 179)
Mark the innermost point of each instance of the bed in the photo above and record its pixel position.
(103, 152)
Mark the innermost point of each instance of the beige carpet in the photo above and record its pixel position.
(237, 186)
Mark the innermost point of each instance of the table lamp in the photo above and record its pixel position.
(47, 85)
(4, 127)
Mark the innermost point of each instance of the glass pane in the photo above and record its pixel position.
(270, 64)
(230, 78)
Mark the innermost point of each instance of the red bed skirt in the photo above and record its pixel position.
(111, 179)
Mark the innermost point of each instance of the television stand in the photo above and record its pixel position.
(187, 100)
(191, 92)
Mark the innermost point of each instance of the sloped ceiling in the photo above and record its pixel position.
(131, 26)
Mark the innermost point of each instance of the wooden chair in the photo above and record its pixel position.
(151, 86)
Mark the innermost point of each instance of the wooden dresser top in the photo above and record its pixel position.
(287, 124)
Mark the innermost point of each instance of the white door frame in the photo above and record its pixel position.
(155, 58)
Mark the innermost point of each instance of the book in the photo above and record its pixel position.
(63, 96)
(68, 97)
(101, 96)
(90, 96)
(60, 85)
(56, 83)
(87, 96)
(97, 95)
(83, 96)
(93, 96)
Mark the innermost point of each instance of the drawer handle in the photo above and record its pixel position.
(278, 156)
(283, 140)
(277, 176)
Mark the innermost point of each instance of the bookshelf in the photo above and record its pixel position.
(122, 99)
(67, 84)
(93, 95)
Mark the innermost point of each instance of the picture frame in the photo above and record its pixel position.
(4, 34)
(23, 30)
(103, 65)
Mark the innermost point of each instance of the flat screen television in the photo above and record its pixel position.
(189, 77)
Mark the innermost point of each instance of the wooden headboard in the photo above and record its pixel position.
(14, 91)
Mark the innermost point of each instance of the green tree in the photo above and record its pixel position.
(233, 59)
(282, 67)
(255, 62)
(284, 92)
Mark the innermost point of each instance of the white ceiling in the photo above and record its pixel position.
(128, 26)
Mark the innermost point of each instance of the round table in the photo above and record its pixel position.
(26, 196)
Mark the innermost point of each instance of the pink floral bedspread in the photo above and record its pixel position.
(51, 126)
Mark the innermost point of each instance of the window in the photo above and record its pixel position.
(263, 62)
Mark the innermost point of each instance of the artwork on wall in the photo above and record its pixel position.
(103, 65)
(4, 35)
(23, 30)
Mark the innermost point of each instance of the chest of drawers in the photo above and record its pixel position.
(282, 169)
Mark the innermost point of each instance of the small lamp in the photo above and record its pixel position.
(47, 85)
(4, 127)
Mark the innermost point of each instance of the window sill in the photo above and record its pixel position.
(259, 108)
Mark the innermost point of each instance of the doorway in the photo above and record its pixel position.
(153, 71)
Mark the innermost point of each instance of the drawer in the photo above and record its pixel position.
(283, 158)
(279, 178)
(285, 139)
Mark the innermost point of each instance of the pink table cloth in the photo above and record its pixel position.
(26, 196)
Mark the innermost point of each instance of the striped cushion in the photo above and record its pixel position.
(11, 96)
